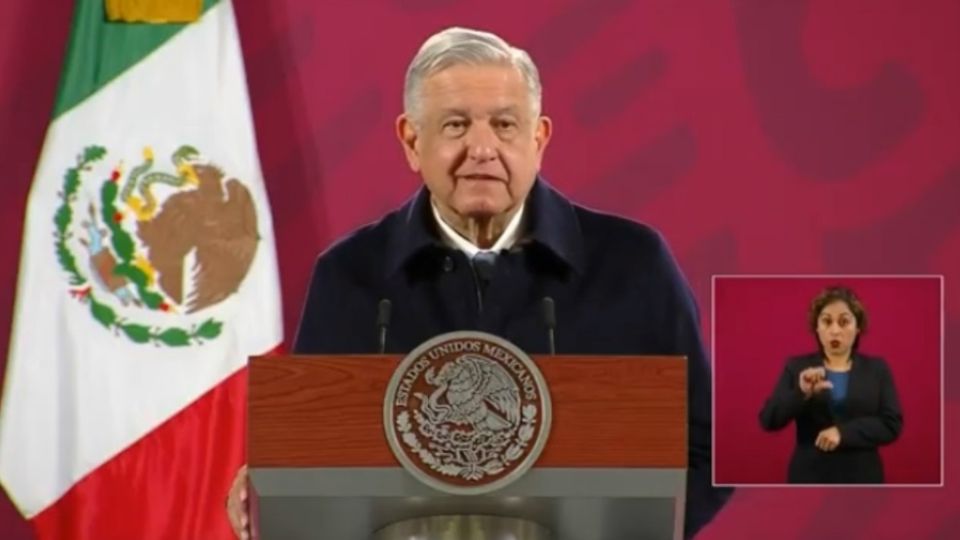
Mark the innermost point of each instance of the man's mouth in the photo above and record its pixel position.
(834, 343)
(479, 177)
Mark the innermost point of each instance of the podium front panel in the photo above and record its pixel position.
(573, 503)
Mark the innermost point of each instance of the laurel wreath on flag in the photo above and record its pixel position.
(123, 245)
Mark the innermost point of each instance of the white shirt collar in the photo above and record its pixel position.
(454, 240)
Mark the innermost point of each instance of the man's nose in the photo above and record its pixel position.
(481, 143)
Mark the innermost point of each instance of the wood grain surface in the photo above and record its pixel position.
(326, 411)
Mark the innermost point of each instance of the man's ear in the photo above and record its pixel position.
(544, 131)
(408, 136)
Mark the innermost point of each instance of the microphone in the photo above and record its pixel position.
(383, 322)
(550, 319)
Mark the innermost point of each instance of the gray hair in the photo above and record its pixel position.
(459, 46)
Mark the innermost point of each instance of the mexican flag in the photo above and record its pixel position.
(147, 277)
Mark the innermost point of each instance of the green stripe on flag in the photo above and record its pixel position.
(99, 50)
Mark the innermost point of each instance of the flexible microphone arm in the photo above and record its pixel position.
(383, 323)
(550, 319)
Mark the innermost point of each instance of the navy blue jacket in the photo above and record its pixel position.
(615, 285)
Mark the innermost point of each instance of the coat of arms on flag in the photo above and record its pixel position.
(140, 243)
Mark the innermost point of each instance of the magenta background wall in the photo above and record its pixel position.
(760, 322)
(759, 136)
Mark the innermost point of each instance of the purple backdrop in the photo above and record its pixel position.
(760, 137)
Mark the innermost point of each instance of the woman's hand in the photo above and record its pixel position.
(828, 440)
(814, 380)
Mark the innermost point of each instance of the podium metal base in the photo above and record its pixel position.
(463, 527)
(573, 504)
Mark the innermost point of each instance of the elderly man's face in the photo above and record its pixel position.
(476, 142)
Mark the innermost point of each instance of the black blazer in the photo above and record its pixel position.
(871, 418)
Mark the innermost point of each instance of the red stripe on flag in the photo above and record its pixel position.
(171, 484)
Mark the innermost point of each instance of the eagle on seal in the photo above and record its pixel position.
(477, 391)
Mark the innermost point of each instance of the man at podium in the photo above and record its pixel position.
(487, 244)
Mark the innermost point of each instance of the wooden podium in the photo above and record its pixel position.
(614, 467)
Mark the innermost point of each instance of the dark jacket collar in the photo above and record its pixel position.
(550, 221)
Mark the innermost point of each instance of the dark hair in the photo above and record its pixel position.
(833, 294)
